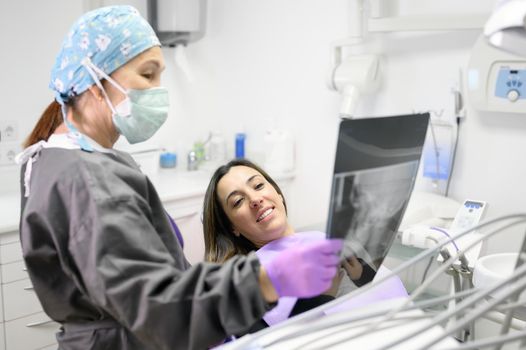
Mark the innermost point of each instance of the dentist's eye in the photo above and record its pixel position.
(148, 76)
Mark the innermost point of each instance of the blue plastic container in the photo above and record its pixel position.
(168, 160)
(240, 145)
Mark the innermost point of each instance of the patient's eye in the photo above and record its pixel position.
(237, 202)
(259, 186)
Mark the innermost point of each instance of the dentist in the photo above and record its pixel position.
(99, 248)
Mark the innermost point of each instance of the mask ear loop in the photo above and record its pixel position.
(92, 70)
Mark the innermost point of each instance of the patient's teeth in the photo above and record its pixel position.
(265, 214)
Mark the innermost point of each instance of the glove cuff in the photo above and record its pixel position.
(273, 272)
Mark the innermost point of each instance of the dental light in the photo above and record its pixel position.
(505, 29)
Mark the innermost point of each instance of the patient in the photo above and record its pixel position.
(244, 211)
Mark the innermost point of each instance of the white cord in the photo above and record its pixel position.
(391, 314)
(442, 269)
(516, 286)
(353, 319)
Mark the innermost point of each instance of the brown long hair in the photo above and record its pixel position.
(46, 125)
(220, 241)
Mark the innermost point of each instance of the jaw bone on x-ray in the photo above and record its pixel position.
(376, 165)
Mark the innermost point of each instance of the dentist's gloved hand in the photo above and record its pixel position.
(305, 271)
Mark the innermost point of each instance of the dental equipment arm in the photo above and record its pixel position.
(443, 268)
(310, 315)
(392, 313)
(505, 29)
(517, 286)
(352, 77)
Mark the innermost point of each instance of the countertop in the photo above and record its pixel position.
(171, 185)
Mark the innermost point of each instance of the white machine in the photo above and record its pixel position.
(468, 215)
(431, 219)
(177, 22)
(496, 79)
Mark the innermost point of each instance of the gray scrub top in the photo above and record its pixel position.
(106, 264)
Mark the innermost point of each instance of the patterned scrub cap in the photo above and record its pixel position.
(109, 37)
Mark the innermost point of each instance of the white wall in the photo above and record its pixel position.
(269, 59)
(31, 33)
(263, 60)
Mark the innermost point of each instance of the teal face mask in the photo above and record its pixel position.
(141, 113)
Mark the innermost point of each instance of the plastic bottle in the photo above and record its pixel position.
(240, 145)
(199, 149)
(217, 149)
(279, 151)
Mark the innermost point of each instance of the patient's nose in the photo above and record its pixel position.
(256, 202)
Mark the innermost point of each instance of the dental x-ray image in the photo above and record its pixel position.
(376, 165)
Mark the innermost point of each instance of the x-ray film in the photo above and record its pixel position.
(376, 165)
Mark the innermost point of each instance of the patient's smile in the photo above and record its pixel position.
(265, 214)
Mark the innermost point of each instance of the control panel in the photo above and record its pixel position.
(511, 84)
(496, 79)
(468, 215)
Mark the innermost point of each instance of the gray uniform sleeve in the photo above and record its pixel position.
(127, 270)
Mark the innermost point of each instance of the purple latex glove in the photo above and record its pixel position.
(305, 271)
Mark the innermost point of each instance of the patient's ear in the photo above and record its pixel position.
(236, 232)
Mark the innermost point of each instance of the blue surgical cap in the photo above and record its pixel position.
(109, 37)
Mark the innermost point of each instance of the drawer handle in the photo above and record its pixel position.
(184, 216)
(29, 288)
(39, 323)
(15, 240)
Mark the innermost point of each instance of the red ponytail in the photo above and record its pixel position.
(46, 125)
